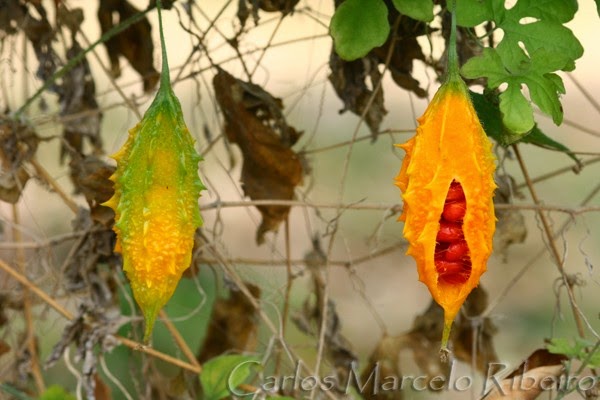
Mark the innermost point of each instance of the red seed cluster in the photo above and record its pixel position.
(452, 260)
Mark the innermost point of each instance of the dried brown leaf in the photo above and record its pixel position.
(254, 121)
(18, 143)
(309, 320)
(12, 14)
(405, 51)
(41, 35)
(81, 117)
(510, 227)
(467, 327)
(90, 176)
(351, 81)
(4, 347)
(94, 247)
(384, 362)
(93, 328)
(527, 386)
(134, 43)
(472, 341)
(233, 325)
(72, 19)
(539, 358)
(101, 390)
(247, 7)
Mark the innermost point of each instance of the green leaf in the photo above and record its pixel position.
(598, 7)
(280, 398)
(535, 72)
(222, 375)
(579, 349)
(517, 112)
(56, 392)
(486, 106)
(421, 10)
(535, 45)
(358, 26)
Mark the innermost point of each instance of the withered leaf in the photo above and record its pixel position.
(527, 386)
(349, 80)
(247, 7)
(510, 227)
(353, 80)
(425, 336)
(101, 390)
(134, 43)
(4, 347)
(384, 361)
(40, 34)
(233, 325)
(79, 110)
(539, 358)
(18, 143)
(92, 329)
(95, 246)
(90, 176)
(469, 326)
(405, 51)
(254, 121)
(309, 320)
(72, 19)
(12, 14)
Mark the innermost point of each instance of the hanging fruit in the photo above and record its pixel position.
(447, 186)
(156, 200)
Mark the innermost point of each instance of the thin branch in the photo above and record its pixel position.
(552, 243)
(68, 315)
(46, 177)
(36, 371)
(391, 207)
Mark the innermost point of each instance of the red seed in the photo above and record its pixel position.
(457, 251)
(455, 279)
(453, 272)
(448, 267)
(455, 211)
(455, 192)
(449, 232)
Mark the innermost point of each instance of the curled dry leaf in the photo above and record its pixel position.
(353, 81)
(254, 121)
(94, 247)
(81, 117)
(405, 51)
(18, 143)
(40, 34)
(251, 7)
(92, 328)
(134, 43)
(90, 176)
(12, 14)
(4, 347)
(527, 386)
(424, 336)
(233, 325)
(510, 227)
(338, 350)
(384, 362)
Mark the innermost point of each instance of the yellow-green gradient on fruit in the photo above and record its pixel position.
(156, 202)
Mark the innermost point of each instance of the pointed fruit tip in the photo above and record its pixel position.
(149, 320)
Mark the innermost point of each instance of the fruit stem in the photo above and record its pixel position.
(453, 70)
(165, 80)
